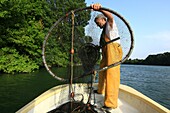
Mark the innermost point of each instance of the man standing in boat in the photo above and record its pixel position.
(109, 80)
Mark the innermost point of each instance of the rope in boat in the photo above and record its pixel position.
(71, 75)
(72, 55)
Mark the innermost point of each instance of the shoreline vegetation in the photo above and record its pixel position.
(24, 26)
(162, 59)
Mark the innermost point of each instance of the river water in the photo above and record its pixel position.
(153, 81)
(18, 90)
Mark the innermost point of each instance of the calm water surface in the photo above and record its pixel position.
(153, 81)
(18, 90)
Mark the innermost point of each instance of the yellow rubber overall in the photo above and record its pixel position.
(109, 80)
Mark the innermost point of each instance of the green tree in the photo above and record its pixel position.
(59, 43)
(159, 59)
(22, 31)
(23, 27)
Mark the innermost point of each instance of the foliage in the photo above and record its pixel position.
(10, 59)
(24, 25)
(159, 59)
(22, 31)
(59, 43)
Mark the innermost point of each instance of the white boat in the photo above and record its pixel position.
(130, 100)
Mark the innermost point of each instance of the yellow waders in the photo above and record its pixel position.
(109, 80)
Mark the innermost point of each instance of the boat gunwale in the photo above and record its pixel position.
(158, 107)
(122, 88)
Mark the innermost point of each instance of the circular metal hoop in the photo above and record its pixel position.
(97, 70)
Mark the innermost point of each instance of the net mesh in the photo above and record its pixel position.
(86, 41)
(58, 51)
(89, 55)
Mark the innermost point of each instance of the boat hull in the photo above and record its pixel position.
(130, 100)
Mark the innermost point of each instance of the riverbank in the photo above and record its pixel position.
(162, 59)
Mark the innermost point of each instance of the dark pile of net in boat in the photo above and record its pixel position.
(74, 107)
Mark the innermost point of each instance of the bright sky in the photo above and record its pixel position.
(149, 20)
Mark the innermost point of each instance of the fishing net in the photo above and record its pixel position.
(89, 54)
(73, 107)
(73, 42)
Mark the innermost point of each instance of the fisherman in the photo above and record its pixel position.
(109, 80)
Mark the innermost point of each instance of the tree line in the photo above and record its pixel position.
(158, 59)
(23, 26)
